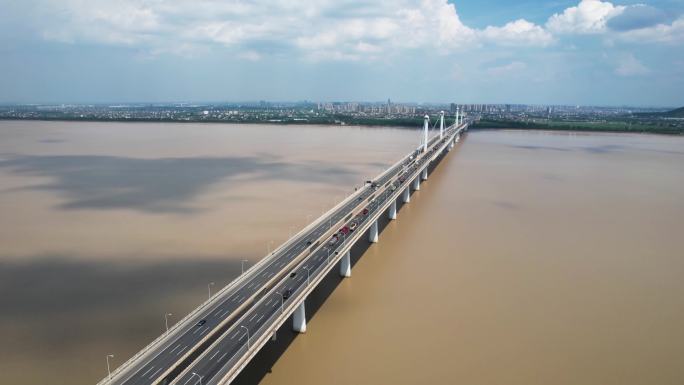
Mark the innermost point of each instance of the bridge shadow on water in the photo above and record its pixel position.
(263, 362)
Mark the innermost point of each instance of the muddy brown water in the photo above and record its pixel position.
(527, 257)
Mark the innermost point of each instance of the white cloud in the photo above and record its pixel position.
(630, 66)
(661, 33)
(519, 32)
(512, 67)
(589, 16)
(320, 29)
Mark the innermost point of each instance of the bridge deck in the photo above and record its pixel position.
(252, 299)
(227, 356)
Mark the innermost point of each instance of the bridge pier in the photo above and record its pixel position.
(392, 213)
(424, 175)
(406, 196)
(299, 319)
(373, 234)
(416, 184)
(345, 265)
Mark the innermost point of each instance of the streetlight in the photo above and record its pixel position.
(109, 373)
(166, 321)
(282, 302)
(200, 377)
(209, 288)
(242, 264)
(307, 274)
(247, 335)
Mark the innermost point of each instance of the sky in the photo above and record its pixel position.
(587, 52)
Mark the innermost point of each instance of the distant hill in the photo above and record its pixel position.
(678, 113)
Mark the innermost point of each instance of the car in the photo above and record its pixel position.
(352, 226)
(201, 322)
(287, 293)
(333, 240)
(364, 212)
(293, 274)
(344, 230)
(309, 242)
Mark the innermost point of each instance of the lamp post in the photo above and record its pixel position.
(200, 377)
(245, 327)
(282, 302)
(209, 285)
(166, 321)
(109, 373)
(307, 274)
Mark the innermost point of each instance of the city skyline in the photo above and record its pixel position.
(589, 52)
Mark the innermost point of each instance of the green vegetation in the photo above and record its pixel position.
(617, 125)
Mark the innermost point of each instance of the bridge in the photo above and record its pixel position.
(216, 341)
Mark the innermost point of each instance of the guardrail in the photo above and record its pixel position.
(229, 370)
(252, 271)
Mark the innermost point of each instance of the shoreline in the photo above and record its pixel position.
(401, 124)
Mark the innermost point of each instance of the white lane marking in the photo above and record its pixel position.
(177, 346)
(214, 355)
(251, 318)
(196, 330)
(155, 373)
(205, 330)
(217, 311)
(225, 312)
(188, 380)
(269, 301)
(235, 335)
(223, 356)
(243, 298)
(147, 371)
(181, 351)
(260, 318)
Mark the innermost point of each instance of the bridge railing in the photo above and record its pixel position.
(258, 338)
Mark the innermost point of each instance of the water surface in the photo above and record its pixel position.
(526, 258)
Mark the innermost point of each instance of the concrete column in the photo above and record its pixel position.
(345, 265)
(458, 138)
(424, 175)
(299, 319)
(441, 124)
(425, 133)
(406, 196)
(416, 184)
(392, 213)
(373, 234)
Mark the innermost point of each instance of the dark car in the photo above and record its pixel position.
(293, 274)
(287, 293)
(364, 212)
(309, 242)
(201, 322)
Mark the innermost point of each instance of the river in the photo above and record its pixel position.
(527, 257)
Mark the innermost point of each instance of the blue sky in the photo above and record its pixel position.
(588, 52)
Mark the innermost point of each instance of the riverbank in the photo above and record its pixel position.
(603, 126)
